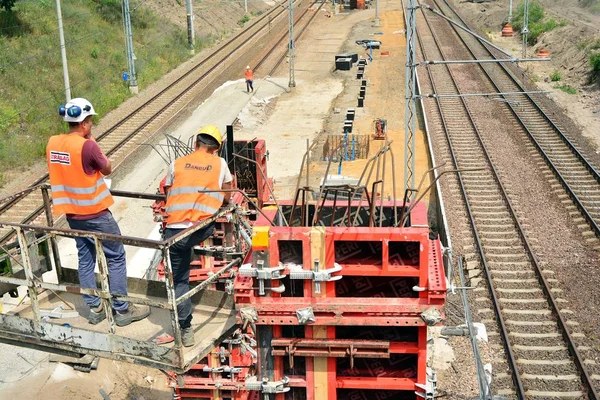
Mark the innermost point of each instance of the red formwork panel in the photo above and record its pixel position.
(368, 337)
(212, 377)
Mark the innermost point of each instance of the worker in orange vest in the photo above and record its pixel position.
(249, 79)
(186, 205)
(76, 167)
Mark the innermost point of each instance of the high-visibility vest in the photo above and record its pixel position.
(249, 75)
(194, 172)
(74, 191)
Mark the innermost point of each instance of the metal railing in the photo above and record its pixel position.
(25, 326)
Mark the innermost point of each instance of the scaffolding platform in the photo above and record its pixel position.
(213, 320)
(41, 323)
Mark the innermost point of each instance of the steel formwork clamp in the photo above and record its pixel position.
(225, 369)
(267, 387)
(262, 273)
(427, 391)
(316, 275)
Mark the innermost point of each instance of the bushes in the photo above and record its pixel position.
(242, 21)
(592, 5)
(595, 62)
(555, 76)
(566, 88)
(537, 24)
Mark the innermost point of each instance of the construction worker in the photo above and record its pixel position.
(76, 166)
(249, 79)
(186, 205)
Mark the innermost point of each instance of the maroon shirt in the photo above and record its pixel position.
(92, 160)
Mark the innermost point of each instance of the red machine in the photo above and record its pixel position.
(335, 310)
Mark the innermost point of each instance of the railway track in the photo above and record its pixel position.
(545, 361)
(577, 175)
(124, 137)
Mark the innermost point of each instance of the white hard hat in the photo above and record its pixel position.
(76, 110)
(247, 67)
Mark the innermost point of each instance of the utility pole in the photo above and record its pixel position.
(190, 24)
(133, 86)
(525, 30)
(291, 50)
(509, 11)
(410, 113)
(63, 52)
(246, 6)
(376, 12)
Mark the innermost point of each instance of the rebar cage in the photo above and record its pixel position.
(29, 325)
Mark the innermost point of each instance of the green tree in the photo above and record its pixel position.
(7, 4)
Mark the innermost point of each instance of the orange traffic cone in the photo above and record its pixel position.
(543, 53)
(507, 31)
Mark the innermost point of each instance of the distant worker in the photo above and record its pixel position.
(201, 170)
(249, 79)
(76, 166)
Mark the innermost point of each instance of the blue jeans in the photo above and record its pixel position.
(114, 253)
(249, 86)
(180, 254)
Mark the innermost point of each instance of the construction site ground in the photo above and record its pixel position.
(286, 120)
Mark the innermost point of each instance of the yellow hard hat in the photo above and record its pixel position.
(210, 131)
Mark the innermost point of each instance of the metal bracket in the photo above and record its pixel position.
(261, 274)
(305, 315)
(427, 391)
(296, 272)
(267, 387)
(220, 370)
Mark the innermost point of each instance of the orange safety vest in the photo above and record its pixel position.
(249, 75)
(74, 191)
(194, 172)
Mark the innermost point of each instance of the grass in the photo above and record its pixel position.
(555, 76)
(31, 78)
(537, 22)
(242, 21)
(592, 6)
(566, 88)
(594, 59)
(592, 48)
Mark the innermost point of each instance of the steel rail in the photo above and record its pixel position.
(497, 311)
(37, 211)
(533, 259)
(568, 188)
(280, 60)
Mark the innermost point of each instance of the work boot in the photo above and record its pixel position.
(97, 314)
(132, 314)
(187, 337)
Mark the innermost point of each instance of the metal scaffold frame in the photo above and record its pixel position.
(410, 109)
(26, 325)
